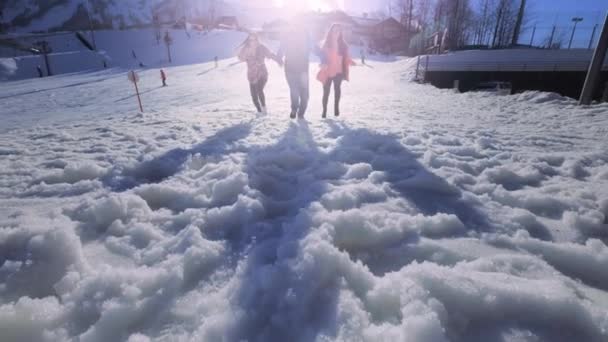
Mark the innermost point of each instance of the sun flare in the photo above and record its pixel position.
(323, 5)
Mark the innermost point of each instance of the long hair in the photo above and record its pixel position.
(246, 41)
(328, 43)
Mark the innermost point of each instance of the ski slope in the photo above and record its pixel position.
(25, 16)
(129, 49)
(420, 215)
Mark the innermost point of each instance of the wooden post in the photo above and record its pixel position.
(141, 108)
(133, 77)
(45, 53)
(418, 69)
(595, 69)
(592, 37)
(426, 69)
(605, 97)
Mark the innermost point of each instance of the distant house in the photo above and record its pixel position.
(389, 36)
(362, 32)
(380, 35)
(227, 22)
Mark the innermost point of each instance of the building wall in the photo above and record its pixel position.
(566, 83)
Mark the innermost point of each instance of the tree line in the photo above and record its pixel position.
(493, 23)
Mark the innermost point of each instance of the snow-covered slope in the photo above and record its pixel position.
(420, 215)
(34, 15)
(129, 49)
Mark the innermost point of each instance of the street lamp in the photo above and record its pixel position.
(88, 7)
(576, 20)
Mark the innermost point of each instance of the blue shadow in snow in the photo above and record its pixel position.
(427, 192)
(171, 162)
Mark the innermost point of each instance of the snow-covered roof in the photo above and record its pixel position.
(513, 60)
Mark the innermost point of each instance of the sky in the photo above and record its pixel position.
(542, 14)
(545, 10)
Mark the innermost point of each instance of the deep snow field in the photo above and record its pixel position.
(419, 215)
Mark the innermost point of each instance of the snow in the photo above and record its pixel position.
(420, 215)
(116, 13)
(132, 49)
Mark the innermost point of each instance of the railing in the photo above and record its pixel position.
(509, 60)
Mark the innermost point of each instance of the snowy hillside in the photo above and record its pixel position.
(420, 215)
(34, 15)
(130, 49)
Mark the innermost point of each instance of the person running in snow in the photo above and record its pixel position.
(335, 66)
(163, 77)
(254, 54)
(295, 48)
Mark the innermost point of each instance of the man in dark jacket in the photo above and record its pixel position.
(296, 47)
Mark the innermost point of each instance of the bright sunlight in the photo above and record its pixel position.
(323, 5)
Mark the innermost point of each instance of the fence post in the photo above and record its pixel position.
(417, 68)
(595, 69)
(605, 97)
(592, 37)
(426, 69)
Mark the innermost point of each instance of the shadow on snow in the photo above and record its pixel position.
(279, 300)
(170, 163)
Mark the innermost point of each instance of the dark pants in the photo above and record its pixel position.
(337, 81)
(299, 91)
(257, 93)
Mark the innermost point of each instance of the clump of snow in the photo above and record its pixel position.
(539, 97)
(74, 173)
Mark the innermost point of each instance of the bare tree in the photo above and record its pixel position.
(520, 19)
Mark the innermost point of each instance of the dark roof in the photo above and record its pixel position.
(366, 22)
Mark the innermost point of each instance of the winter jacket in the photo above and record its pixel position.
(255, 58)
(333, 64)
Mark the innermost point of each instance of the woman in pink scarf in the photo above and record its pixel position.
(335, 66)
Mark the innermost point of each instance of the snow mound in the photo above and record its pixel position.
(539, 97)
(8, 67)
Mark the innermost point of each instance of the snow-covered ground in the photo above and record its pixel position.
(420, 215)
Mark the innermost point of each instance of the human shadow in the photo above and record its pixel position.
(170, 163)
(206, 71)
(281, 300)
(428, 193)
(287, 177)
(140, 93)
